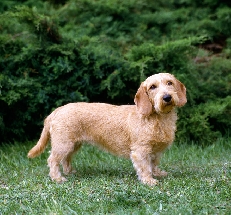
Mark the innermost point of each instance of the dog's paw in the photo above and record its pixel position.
(150, 181)
(72, 171)
(159, 173)
(59, 180)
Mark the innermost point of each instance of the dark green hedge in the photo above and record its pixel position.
(55, 52)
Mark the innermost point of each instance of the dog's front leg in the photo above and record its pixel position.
(142, 163)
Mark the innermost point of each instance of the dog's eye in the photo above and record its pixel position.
(153, 87)
(169, 83)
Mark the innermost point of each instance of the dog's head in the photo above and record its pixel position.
(160, 93)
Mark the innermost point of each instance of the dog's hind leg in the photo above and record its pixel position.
(53, 162)
(66, 161)
(59, 156)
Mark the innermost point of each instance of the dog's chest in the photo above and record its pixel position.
(156, 129)
(164, 128)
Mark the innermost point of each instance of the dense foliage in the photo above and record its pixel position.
(55, 52)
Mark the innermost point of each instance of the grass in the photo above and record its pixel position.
(198, 183)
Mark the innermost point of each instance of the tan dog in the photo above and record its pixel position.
(140, 132)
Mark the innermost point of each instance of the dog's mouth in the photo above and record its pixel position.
(168, 107)
(168, 103)
(165, 108)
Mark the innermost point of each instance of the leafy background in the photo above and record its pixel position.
(56, 52)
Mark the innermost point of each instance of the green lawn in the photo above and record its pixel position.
(198, 183)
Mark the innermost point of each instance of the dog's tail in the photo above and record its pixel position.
(43, 141)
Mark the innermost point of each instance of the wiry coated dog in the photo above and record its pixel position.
(140, 132)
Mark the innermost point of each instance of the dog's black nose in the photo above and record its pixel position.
(167, 98)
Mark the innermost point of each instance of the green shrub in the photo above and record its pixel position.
(84, 50)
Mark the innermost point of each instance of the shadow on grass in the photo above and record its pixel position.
(85, 171)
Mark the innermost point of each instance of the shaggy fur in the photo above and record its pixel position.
(140, 132)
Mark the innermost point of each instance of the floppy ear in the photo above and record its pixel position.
(181, 93)
(143, 104)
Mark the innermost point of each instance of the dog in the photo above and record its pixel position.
(140, 132)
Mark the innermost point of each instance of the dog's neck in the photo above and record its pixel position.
(163, 124)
